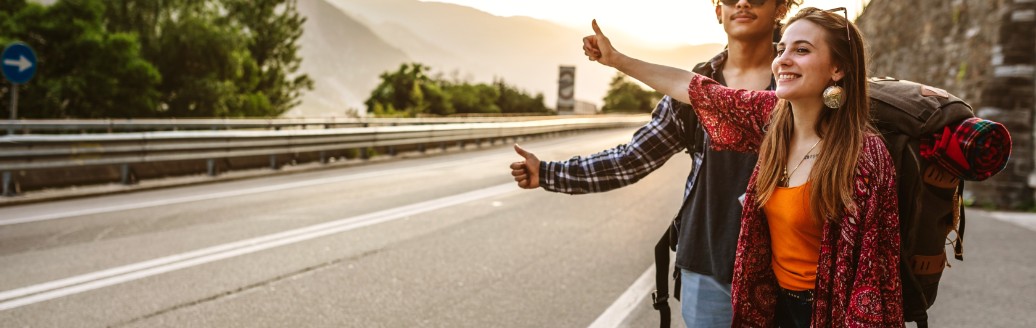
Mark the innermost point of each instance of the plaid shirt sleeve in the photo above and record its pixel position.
(652, 145)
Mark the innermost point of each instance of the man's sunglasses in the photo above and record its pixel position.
(754, 3)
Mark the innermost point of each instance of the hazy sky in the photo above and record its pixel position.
(663, 22)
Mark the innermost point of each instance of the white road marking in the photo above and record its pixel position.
(73, 285)
(617, 313)
(225, 194)
(1023, 219)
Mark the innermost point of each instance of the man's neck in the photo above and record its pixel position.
(745, 55)
(748, 64)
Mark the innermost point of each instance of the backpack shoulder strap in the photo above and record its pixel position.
(694, 132)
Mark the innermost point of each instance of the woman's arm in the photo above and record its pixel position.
(734, 118)
(876, 295)
(670, 81)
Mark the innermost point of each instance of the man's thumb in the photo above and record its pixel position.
(597, 29)
(521, 151)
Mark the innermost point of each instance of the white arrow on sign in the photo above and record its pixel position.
(22, 63)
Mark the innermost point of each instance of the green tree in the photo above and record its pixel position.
(204, 65)
(473, 98)
(84, 70)
(207, 52)
(153, 58)
(408, 92)
(272, 29)
(625, 95)
(512, 100)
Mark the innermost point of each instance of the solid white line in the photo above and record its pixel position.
(225, 194)
(627, 302)
(1025, 220)
(78, 284)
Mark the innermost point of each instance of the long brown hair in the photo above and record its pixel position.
(842, 129)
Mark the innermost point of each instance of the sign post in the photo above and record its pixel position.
(19, 66)
(566, 88)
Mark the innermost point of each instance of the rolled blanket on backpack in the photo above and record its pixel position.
(974, 150)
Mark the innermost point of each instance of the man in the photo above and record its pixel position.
(710, 216)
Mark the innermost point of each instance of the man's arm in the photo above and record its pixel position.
(651, 146)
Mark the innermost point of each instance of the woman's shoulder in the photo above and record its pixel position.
(873, 142)
(874, 156)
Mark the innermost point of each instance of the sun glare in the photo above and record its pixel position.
(657, 22)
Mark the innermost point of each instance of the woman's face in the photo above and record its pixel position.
(803, 66)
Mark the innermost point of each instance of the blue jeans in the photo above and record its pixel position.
(704, 301)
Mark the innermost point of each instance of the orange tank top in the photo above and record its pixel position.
(794, 237)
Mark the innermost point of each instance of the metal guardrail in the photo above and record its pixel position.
(138, 125)
(34, 152)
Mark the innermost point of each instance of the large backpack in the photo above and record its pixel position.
(930, 205)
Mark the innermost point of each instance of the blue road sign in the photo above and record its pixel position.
(19, 63)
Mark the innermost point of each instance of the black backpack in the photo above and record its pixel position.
(930, 205)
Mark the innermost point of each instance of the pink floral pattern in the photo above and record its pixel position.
(858, 282)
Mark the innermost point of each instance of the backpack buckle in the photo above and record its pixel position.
(659, 299)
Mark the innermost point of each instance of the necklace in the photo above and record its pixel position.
(783, 182)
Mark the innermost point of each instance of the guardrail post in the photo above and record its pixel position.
(392, 151)
(210, 167)
(273, 162)
(8, 184)
(323, 157)
(442, 146)
(126, 175)
(421, 148)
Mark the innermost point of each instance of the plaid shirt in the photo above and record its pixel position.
(652, 145)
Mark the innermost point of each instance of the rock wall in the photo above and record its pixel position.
(983, 51)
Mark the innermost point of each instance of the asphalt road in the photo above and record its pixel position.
(438, 241)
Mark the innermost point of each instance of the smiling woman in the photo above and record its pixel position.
(819, 240)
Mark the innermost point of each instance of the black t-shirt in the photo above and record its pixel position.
(711, 214)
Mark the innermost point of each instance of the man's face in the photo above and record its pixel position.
(744, 19)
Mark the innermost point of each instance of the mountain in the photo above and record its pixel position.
(343, 57)
(463, 42)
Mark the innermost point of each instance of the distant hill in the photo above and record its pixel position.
(344, 59)
(463, 42)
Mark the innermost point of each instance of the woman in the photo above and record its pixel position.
(819, 242)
